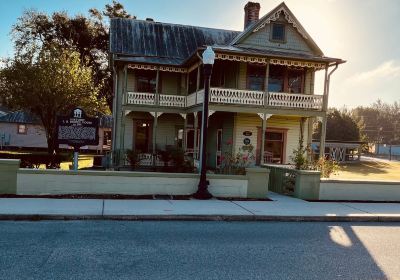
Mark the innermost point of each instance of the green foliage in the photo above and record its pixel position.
(48, 83)
(379, 122)
(299, 156)
(236, 164)
(35, 160)
(340, 126)
(133, 158)
(87, 35)
(327, 167)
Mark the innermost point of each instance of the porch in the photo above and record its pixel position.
(230, 134)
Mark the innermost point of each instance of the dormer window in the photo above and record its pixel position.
(278, 32)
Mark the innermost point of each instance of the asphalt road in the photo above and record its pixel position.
(198, 250)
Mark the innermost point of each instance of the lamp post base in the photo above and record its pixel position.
(202, 191)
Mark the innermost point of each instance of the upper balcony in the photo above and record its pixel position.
(227, 96)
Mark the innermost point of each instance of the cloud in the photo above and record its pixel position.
(387, 70)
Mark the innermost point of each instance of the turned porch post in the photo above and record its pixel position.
(195, 126)
(266, 83)
(324, 110)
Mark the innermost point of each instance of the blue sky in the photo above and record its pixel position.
(363, 32)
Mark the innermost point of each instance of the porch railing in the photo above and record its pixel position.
(141, 98)
(229, 96)
(172, 100)
(236, 96)
(282, 179)
(292, 100)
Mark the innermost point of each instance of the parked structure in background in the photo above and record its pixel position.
(262, 87)
(3, 110)
(387, 150)
(340, 151)
(21, 130)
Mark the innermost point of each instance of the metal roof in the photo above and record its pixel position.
(105, 121)
(165, 43)
(20, 117)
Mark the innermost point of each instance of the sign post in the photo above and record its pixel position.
(77, 130)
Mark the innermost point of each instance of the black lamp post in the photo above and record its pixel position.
(202, 188)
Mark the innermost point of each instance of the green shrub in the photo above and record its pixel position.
(133, 158)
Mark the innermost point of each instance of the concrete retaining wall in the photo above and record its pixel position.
(39, 182)
(359, 190)
(42, 182)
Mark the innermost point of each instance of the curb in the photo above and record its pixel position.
(237, 218)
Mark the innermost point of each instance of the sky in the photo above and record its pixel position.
(365, 33)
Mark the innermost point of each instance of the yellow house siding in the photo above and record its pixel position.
(242, 75)
(131, 81)
(128, 135)
(309, 82)
(251, 122)
(166, 129)
(170, 83)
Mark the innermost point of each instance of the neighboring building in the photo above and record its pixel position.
(262, 86)
(3, 110)
(385, 149)
(340, 151)
(23, 130)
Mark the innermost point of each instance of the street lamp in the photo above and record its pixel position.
(202, 188)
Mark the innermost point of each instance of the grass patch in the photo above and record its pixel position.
(370, 170)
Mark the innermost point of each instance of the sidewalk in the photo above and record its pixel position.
(282, 208)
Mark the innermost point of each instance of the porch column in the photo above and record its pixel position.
(309, 136)
(324, 109)
(264, 118)
(266, 85)
(122, 113)
(197, 81)
(184, 116)
(154, 138)
(195, 125)
(322, 137)
(157, 97)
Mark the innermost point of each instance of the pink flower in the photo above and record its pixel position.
(245, 158)
(229, 142)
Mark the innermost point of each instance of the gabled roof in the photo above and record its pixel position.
(3, 110)
(164, 43)
(272, 16)
(20, 117)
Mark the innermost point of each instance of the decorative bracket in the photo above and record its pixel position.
(263, 115)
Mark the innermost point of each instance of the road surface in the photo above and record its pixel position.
(198, 250)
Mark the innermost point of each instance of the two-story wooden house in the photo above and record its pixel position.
(262, 86)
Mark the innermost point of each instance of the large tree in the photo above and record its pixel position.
(87, 35)
(47, 83)
(379, 122)
(340, 127)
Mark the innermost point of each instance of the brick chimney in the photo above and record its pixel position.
(251, 13)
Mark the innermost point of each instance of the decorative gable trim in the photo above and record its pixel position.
(266, 60)
(288, 17)
(155, 68)
(273, 16)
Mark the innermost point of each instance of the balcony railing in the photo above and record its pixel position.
(229, 96)
(292, 100)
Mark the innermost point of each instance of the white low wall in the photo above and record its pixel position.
(359, 190)
(40, 182)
